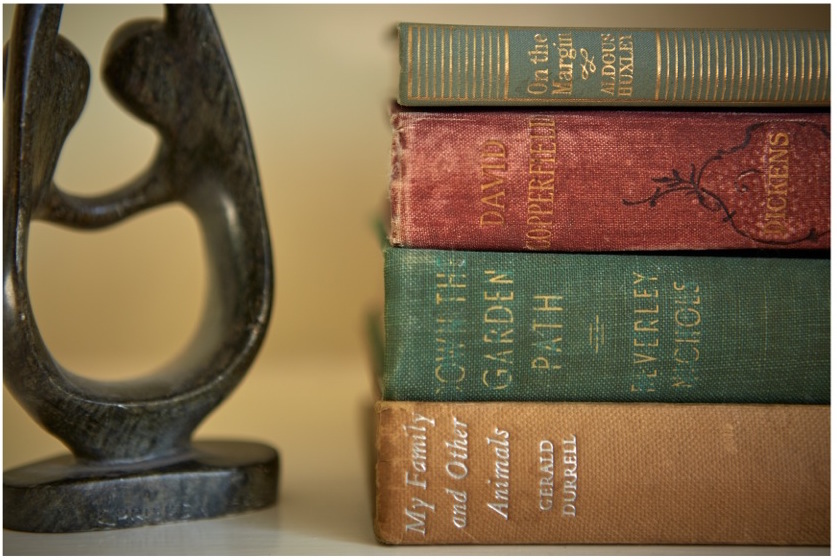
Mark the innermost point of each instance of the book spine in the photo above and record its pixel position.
(610, 180)
(566, 473)
(486, 326)
(494, 65)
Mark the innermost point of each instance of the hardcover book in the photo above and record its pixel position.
(493, 326)
(496, 65)
(570, 473)
(610, 180)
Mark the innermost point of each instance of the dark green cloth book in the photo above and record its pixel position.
(480, 326)
(499, 65)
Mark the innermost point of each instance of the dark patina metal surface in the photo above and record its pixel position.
(133, 461)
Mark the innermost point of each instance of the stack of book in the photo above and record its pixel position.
(607, 288)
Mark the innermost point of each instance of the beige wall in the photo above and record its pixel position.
(315, 82)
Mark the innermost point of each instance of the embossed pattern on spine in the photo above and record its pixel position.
(610, 180)
(494, 65)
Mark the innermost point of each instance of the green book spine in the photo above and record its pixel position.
(491, 65)
(491, 326)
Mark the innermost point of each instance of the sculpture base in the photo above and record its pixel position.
(212, 479)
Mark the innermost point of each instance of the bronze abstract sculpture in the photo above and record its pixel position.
(133, 460)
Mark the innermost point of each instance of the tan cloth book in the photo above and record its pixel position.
(602, 473)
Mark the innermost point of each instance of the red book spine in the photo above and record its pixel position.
(605, 180)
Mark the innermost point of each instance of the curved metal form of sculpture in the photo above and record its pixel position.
(134, 462)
